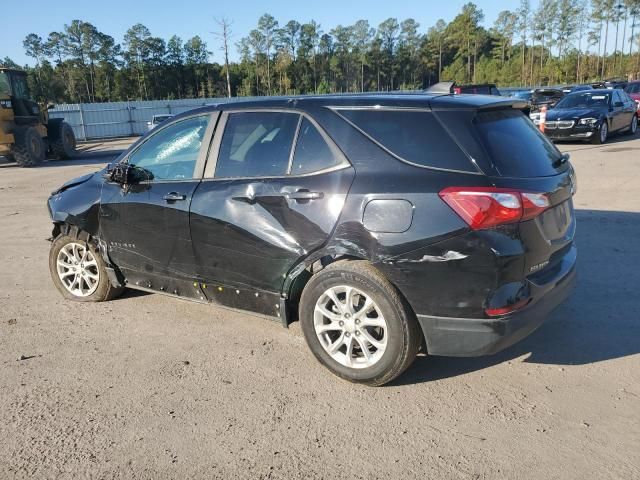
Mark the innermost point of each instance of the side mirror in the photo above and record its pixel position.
(121, 173)
(618, 104)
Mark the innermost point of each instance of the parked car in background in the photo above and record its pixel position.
(545, 97)
(591, 115)
(633, 90)
(576, 88)
(616, 83)
(525, 96)
(157, 120)
(452, 87)
(384, 223)
(477, 89)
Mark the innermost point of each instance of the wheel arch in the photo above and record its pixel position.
(116, 278)
(300, 275)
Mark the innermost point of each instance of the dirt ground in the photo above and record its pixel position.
(153, 387)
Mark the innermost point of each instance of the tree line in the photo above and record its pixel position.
(552, 42)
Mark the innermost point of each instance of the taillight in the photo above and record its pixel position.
(457, 90)
(486, 207)
(496, 312)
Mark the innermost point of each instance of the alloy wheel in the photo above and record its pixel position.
(604, 131)
(350, 327)
(78, 269)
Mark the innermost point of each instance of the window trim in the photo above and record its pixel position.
(378, 108)
(205, 146)
(214, 152)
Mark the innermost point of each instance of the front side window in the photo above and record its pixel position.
(172, 153)
(257, 144)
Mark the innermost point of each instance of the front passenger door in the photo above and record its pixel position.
(146, 224)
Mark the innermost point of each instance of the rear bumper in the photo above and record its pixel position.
(471, 337)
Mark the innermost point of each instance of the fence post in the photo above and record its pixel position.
(84, 130)
(130, 119)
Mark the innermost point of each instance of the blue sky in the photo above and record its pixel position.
(187, 18)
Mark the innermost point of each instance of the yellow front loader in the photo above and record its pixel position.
(27, 133)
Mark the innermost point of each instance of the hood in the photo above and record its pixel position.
(73, 183)
(574, 113)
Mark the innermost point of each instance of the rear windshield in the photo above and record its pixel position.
(515, 146)
(414, 136)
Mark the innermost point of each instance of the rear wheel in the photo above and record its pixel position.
(78, 271)
(29, 149)
(357, 325)
(63, 143)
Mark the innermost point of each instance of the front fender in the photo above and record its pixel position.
(77, 203)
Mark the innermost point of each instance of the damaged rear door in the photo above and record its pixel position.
(146, 223)
(273, 190)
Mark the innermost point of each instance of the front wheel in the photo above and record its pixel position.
(78, 271)
(357, 325)
(633, 128)
(601, 134)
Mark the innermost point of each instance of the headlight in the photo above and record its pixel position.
(587, 121)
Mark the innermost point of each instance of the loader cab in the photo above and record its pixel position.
(13, 83)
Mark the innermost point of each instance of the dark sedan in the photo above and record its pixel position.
(591, 115)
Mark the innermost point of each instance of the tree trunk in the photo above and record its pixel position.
(604, 53)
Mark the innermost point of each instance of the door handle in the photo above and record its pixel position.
(174, 197)
(303, 195)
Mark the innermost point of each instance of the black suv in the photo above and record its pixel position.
(383, 223)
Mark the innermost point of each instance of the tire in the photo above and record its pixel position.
(633, 128)
(398, 341)
(63, 142)
(29, 149)
(92, 291)
(601, 135)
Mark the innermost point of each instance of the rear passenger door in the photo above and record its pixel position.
(273, 190)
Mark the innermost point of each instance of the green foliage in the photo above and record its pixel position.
(549, 42)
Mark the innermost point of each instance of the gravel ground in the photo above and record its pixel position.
(148, 386)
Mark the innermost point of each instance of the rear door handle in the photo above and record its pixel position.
(174, 197)
(303, 195)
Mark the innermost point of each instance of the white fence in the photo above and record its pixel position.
(123, 119)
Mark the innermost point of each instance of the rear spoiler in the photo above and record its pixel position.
(445, 88)
(504, 104)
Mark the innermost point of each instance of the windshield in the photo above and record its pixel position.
(5, 86)
(585, 100)
(523, 95)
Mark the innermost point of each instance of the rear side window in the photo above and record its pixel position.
(256, 144)
(633, 88)
(414, 136)
(515, 146)
(312, 151)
